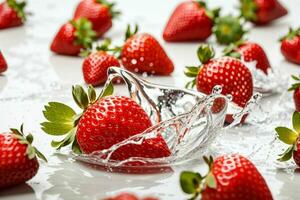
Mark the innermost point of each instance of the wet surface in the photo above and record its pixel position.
(36, 76)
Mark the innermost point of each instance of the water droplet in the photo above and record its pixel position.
(151, 64)
(142, 59)
(145, 75)
(136, 70)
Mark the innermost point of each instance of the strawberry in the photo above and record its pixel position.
(290, 137)
(230, 177)
(18, 158)
(128, 196)
(230, 73)
(99, 12)
(290, 46)
(296, 88)
(143, 53)
(249, 52)
(3, 64)
(262, 12)
(96, 64)
(73, 37)
(105, 121)
(191, 20)
(12, 13)
(228, 29)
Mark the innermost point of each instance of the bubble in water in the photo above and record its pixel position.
(133, 61)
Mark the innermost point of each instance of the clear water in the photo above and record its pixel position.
(189, 122)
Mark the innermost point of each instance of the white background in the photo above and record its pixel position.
(36, 76)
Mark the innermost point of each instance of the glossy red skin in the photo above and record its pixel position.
(188, 22)
(15, 166)
(8, 17)
(268, 10)
(297, 99)
(113, 119)
(129, 196)
(95, 67)
(3, 64)
(237, 179)
(64, 41)
(143, 53)
(234, 77)
(97, 13)
(296, 154)
(254, 52)
(290, 49)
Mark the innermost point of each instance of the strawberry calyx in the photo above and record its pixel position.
(291, 34)
(228, 29)
(85, 35)
(111, 6)
(205, 53)
(248, 10)
(194, 183)
(211, 13)
(31, 151)
(131, 32)
(18, 7)
(289, 137)
(295, 85)
(230, 50)
(63, 120)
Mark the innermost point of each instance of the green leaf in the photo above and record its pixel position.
(296, 121)
(75, 147)
(286, 135)
(106, 91)
(69, 139)
(80, 97)
(287, 154)
(55, 128)
(58, 112)
(40, 155)
(29, 138)
(210, 181)
(91, 93)
(296, 78)
(190, 181)
(205, 52)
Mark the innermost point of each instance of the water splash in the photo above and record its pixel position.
(187, 120)
(270, 83)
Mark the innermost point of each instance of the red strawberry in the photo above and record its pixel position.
(290, 46)
(18, 158)
(95, 65)
(73, 37)
(262, 11)
(128, 196)
(292, 138)
(191, 20)
(3, 64)
(104, 122)
(249, 52)
(12, 13)
(143, 53)
(230, 73)
(230, 177)
(228, 29)
(296, 88)
(99, 12)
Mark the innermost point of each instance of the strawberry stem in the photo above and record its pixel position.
(31, 151)
(248, 10)
(18, 7)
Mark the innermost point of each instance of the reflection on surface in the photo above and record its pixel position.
(78, 181)
(22, 189)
